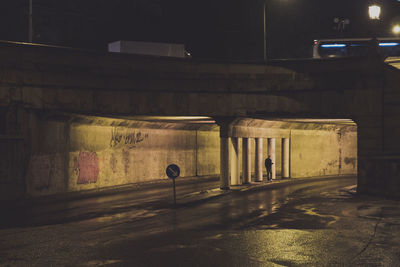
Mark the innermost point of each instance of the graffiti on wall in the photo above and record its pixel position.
(126, 138)
(87, 167)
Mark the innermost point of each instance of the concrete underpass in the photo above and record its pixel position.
(72, 121)
(73, 152)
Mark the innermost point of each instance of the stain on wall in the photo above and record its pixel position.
(352, 161)
(12, 184)
(41, 168)
(46, 171)
(113, 163)
(126, 161)
(87, 166)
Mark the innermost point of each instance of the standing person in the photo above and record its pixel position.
(268, 165)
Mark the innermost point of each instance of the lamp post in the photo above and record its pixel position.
(265, 31)
(374, 12)
(30, 30)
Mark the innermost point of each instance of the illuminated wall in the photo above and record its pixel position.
(73, 156)
(320, 153)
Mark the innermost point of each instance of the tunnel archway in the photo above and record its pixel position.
(299, 148)
(104, 151)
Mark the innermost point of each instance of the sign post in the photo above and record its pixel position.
(173, 172)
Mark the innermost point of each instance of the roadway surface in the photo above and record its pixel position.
(76, 207)
(314, 222)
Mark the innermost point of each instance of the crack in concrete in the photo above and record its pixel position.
(370, 239)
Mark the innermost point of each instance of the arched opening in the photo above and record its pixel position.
(298, 148)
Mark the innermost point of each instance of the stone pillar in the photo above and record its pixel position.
(285, 158)
(259, 160)
(271, 153)
(246, 160)
(224, 163)
(235, 162)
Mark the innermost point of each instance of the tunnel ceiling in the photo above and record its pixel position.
(198, 122)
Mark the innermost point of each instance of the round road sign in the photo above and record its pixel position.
(173, 171)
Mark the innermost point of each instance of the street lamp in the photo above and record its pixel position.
(396, 29)
(374, 12)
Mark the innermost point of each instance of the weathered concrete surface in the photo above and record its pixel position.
(12, 168)
(70, 156)
(82, 82)
(317, 149)
(362, 89)
(75, 152)
(319, 153)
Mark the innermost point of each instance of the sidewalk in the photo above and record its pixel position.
(205, 195)
(154, 195)
(201, 188)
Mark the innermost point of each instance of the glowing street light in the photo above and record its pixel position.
(374, 12)
(396, 29)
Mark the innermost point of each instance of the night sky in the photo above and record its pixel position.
(211, 29)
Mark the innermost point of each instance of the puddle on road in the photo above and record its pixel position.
(368, 211)
(102, 262)
(311, 211)
(214, 237)
(172, 247)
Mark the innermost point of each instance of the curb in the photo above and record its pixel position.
(208, 195)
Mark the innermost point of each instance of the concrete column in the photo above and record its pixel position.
(224, 163)
(285, 157)
(271, 153)
(259, 159)
(246, 160)
(235, 161)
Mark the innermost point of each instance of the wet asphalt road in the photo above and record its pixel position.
(312, 223)
(43, 211)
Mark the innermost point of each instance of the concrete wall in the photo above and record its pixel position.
(72, 157)
(12, 161)
(320, 153)
(379, 145)
(208, 149)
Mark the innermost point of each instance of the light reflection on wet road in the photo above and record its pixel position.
(238, 209)
(298, 224)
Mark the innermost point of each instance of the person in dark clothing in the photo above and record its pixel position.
(374, 50)
(268, 165)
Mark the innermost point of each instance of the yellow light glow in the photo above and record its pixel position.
(396, 29)
(374, 12)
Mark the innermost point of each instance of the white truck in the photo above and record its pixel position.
(149, 48)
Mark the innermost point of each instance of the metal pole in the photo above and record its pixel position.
(265, 32)
(173, 180)
(30, 30)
